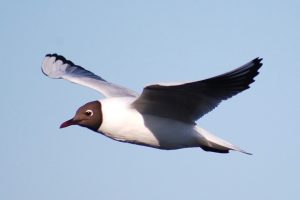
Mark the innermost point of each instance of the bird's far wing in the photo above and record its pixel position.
(56, 66)
(189, 101)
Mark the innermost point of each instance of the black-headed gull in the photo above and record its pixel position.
(163, 116)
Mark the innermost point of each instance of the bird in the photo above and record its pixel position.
(163, 116)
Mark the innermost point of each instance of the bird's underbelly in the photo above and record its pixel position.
(150, 131)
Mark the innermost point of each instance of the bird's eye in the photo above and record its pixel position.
(89, 113)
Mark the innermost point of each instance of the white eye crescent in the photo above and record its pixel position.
(89, 113)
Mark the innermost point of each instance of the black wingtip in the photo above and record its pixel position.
(257, 65)
(60, 57)
(258, 61)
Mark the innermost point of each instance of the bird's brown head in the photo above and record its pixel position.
(88, 115)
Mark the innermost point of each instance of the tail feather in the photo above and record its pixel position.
(214, 144)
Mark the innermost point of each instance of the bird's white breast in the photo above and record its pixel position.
(123, 123)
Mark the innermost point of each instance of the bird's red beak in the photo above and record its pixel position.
(70, 122)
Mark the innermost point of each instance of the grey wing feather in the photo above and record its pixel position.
(189, 101)
(56, 66)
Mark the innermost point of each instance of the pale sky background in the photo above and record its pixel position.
(135, 43)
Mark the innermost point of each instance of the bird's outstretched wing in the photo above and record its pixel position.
(56, 66)
(188, 102)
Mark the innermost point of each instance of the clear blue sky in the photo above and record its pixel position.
(135, 43)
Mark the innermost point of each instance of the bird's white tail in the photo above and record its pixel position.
(215, 144)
